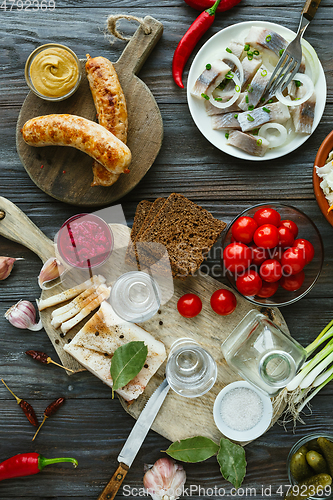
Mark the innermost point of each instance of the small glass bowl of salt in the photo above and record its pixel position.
(242, 412)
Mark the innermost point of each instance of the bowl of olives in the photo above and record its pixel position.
(310, 468)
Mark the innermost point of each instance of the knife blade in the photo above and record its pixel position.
(135, 439)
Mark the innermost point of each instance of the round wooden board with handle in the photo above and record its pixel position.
(67, 173)
(179, 417)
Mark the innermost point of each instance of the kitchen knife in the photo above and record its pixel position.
(135, 439)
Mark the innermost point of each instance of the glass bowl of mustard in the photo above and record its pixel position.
(53, 72)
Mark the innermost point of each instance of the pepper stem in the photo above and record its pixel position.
(49, 360)
(43, 462)
(212, 10)
(17, 399)
(45, 417)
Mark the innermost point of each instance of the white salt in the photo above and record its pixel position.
(241, 409)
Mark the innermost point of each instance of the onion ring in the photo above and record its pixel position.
(274, 142)
(231, 57)
(224, 105)
(310, 89)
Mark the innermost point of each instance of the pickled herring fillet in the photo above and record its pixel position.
(237, 49)
(256, 88)
(227, 120)
(104, 295)
(213, 110)
(275, 112)
(263, 38)
(254, 145)
(210, 78)
(70, 293)
(249, 68)
(303, 115)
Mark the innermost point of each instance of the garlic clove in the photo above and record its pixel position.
(51, 270)
(23, 315)
(6, 266)
(165, 480)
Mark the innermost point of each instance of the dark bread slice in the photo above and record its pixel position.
(154, 209)
(141, 213)
(186, 230)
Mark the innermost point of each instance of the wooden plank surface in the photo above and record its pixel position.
(91, 426)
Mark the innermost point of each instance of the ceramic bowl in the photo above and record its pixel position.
(324, 150)
(307, 230)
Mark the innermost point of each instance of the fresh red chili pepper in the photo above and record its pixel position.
(49, 411)
(205, 4)
(27, 464)
(42, 357)
(189, 41)
(26, 407)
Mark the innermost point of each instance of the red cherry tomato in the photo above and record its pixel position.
(292, 283)
(243, 229)
(286, 237)
(249, 283)
(189, 305)
(271, 270)
(237, 257)
(289, 224)
(268, 289)
(259, 255)
(267, 215)
(223, 302)
(266, 236)
(307, 248)
(293, 260)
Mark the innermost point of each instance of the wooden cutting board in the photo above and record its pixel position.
(179, 417)
(67, 174)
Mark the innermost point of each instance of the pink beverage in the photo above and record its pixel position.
(85, 241)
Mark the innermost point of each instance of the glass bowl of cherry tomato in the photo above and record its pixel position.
(272, 254)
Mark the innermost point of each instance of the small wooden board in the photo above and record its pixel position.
(321, 158)
(179, 417)
(67, 173)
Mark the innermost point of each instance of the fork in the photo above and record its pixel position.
(291, 58)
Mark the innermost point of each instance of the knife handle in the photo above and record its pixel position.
(111, 489)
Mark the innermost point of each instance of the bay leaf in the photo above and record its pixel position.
(231, 458)
(193, 450)
(127, 361)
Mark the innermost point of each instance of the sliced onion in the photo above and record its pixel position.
(274, 141)
(231, 57)
(312, 59)
(224, 105)
(309, 86)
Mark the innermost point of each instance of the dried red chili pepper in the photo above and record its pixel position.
(189, 41)
(205, 4)
(27, 464)
(42, 357)
(49, 411)
(26, 407)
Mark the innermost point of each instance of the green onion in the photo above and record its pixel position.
(266, 109)
(229, 75)
(250, 90)
(250, 58)
(250, 53)
(247, 47)
(226, 135)
(259, 142)
(247, 99)
(250, 118)
(268, 38)
(218, 99)
(298, 83)
(222, 85)
(228, 50)
(256, 52)
(281, 52)
(262, 99)
(236, 116)
(208, 66)
(205, 96)
(270, 101)
(255, 131)
(250, 107)
(237, 88)
(264, 72)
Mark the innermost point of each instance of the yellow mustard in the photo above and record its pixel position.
(54, 72)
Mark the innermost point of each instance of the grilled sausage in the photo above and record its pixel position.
(110, 106)
(79, 133)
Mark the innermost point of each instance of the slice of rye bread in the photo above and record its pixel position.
(141, 213)
(186, 230)
(154, 209)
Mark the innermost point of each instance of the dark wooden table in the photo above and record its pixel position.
(90, 426)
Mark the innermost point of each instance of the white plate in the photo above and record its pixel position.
(212, 47)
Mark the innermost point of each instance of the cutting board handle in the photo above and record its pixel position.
(16, 226)
(140, 46)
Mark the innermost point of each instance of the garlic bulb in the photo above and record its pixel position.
(51, 270)
(165, 480)
(6, 266)
(23, 315)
